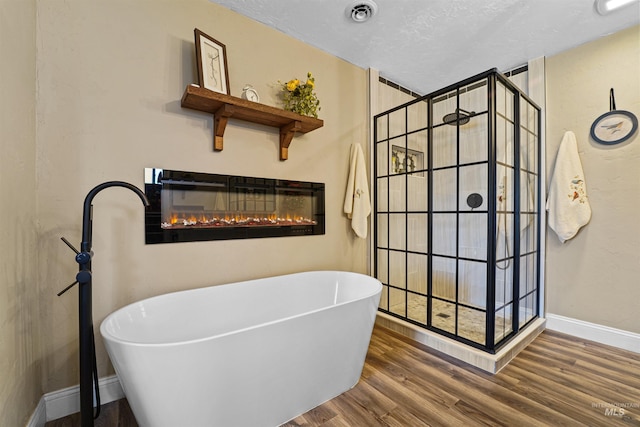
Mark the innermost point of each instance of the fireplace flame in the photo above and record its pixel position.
(176, 220)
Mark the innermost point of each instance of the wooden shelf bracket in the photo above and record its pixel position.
(221, 117)
(286, 136)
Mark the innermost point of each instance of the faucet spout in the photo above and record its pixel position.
(88, 213)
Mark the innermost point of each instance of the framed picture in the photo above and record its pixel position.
(212, 63)
(404, 160)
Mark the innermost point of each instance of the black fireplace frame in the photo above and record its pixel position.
(157, 179)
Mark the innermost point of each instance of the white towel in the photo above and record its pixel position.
(567, 201)
(357, 204)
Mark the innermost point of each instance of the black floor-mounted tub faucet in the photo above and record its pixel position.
(88, 374)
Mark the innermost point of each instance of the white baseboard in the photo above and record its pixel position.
(594, 332)
(39, 416)
(61, 403)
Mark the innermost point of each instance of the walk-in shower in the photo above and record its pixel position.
(457, 211)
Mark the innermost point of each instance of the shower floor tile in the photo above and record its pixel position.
(471, 323)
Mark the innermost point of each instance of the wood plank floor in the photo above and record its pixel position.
(557, 380)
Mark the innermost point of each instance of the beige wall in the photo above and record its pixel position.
(111, 75)
(594, 277)
(20, 349)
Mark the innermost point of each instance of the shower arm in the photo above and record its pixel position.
(85, 318)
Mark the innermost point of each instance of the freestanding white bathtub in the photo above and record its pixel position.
(255, 353)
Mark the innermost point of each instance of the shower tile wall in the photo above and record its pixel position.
(458, 258)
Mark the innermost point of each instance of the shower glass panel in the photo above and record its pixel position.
(457, 210)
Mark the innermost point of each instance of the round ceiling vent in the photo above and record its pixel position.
(361, 10)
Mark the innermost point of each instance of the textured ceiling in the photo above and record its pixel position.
(427, 44)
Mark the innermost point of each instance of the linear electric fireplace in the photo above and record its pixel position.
(193, 206)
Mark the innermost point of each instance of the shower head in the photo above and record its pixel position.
(459, 117)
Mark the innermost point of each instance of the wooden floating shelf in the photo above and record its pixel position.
(223, 107)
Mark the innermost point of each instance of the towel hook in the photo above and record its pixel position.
(612, 100)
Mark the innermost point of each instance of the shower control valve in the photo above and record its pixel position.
(83, 277)
(83, 258)
(70, 245)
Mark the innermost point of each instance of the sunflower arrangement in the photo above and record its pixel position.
(299, 97)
